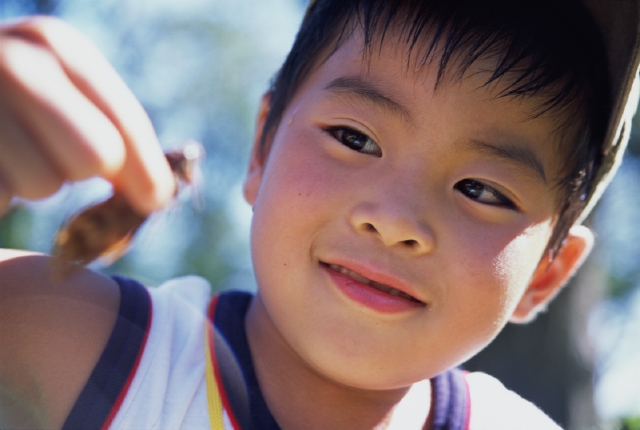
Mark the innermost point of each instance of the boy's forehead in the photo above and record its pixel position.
(431, 57)
(381, 74)
(381, 80)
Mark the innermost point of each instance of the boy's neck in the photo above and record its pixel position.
(299, 397)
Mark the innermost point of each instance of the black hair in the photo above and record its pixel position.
(550, 49)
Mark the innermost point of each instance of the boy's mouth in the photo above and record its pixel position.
(378, 286)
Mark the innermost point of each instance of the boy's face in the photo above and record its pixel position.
(444, 195)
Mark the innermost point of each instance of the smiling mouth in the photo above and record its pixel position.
(378, 286)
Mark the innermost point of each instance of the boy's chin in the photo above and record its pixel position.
(373, 370)
(376, 376)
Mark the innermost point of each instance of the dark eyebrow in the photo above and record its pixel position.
(520, 155)
(355, 86)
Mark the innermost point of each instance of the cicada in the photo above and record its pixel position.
(105, 230)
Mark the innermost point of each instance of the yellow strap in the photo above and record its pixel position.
(214, 401)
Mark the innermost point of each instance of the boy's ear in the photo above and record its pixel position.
(258, 157)
(551, 276)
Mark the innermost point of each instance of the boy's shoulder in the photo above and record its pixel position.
(53, 329)
(493, 406)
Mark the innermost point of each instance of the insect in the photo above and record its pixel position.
(105, 230)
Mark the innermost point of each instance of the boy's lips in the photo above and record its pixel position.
(374, 284)
(390, 286)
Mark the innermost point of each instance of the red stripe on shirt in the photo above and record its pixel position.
(125, 388)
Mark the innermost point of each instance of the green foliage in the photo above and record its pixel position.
(630, 423)
(619, 287)
(15, 228)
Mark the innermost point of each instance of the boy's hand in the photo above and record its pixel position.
(66, 115)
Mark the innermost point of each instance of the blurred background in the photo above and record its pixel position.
(199, 68)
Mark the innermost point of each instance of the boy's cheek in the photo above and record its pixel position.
(516, 264)
(298, 177)
(287, 197)
(503, 250)
(495, 266)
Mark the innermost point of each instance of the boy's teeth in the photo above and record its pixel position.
(358, 277)
(350, 274)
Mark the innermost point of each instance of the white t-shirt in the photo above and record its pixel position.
(152, 373)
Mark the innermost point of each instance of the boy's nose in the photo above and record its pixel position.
(395, 224)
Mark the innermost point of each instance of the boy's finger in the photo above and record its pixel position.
(145, 178)
(24, 170)
(76, 136)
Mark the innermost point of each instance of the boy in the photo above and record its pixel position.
(418, 178)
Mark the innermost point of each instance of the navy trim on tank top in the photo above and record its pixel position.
(106, 387)
(229, 323)
(450, 392)
(451, 409)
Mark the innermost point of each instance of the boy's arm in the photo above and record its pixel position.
(65, 115)
(52, 332)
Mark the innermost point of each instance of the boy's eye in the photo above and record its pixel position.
(482, 193)
(355, 140)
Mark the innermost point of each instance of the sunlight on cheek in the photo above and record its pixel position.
(515, 265)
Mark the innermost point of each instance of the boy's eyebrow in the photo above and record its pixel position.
(520, 155)
(359, 87)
